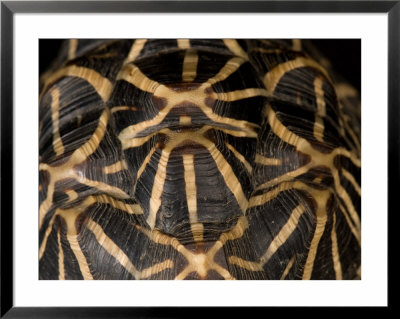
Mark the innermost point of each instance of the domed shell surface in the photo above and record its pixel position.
(198, 159)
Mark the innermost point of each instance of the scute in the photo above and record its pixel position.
(198, 159)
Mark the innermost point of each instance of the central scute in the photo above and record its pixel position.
(189, 144)
(194, 192)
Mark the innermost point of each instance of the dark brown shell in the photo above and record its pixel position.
(198, 159)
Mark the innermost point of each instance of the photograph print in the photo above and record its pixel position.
(199, 159)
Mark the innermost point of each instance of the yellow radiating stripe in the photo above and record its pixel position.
(283, 186)
(228, 175)
(190, 186)
(135, 50)
(321, 197)
(245, 128)
(133, 209)
(197, 231)
(111, 248)
(235, 233)
(348, 127)
(42, 247)
(102, 85)
(353, 135)
(61, 270)
(123, 108)
(246, 132)
(319, 128)
(222, 271)
(145, 162)
(183, 43)
(273, 77)
(317, 180)
(267, 51)
(106, 188)
(158, 187)
(288, 267)
(185, 120)
(266, 197)
(356, 232)
(72, 195)
(70, 215)
(282, 131)
(235, 48)
(132, 74)
(160, 238)
(72, 46)
(87, 149)
(352, 180)
(191, 196)
(289, 176)
(309, 265)
(350, 155)
(190, 66)
(283, 234)
(80, 257)
(337, 266)
(79, 120)
(116, 167)
(186, 271)
(267, 160)
(344, 91)
(133, 142)
(249, 265)
(230, 67)
(157, 268)
(296, 44)
(55, 113)
(321, 109)
(46, 204)
(129, 133)
(240, 94)
(240, 157)
(136, 208)
(342, 193)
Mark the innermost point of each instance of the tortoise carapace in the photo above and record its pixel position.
(198, 159)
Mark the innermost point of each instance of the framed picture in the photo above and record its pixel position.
(355, 33)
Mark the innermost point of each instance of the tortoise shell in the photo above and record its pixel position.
(198, 159)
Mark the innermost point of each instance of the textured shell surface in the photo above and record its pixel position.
(198, 159)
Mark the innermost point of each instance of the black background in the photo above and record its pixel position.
(344, 54)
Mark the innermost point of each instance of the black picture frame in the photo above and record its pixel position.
(9, 8)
